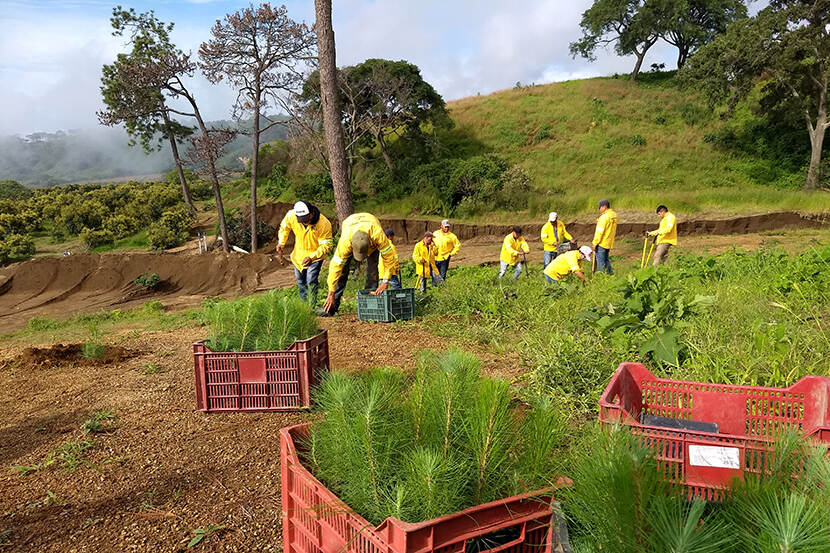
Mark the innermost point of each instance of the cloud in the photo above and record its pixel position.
(51, 53)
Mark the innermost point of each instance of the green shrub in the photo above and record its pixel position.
(638, 140)
(515, 188)
(172, 230)
(16, 247)
(93, 238)
(448, 440)
(315, 187)
(271, 321)
(147, 280)
(13, 190)
(120, 226)
(276, 183)
(239, 231)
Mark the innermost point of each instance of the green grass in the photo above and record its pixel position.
(137, 241)
(766, 325)
(580, 141)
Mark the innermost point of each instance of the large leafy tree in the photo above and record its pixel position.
(632, 26)
(689, 24)
(785, 50)
(379, 98)
(261, 52)
(330, 100)
(141, 108)
(159, 75)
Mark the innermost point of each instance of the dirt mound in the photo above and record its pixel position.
(410, 230)
(60, 354)
(82, 283)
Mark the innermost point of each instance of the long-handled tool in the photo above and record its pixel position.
(593, 262)
(643, 259)
(651, 249)
(527, 268)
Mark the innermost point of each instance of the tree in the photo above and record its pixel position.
(379, 98)
(260, 52)
(142, 109)
(690, 24)
(162, 68)
(633, 26)
(785, 50)
(330, 100)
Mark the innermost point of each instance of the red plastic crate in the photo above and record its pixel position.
(748, 419)
(315, 520)
(259, 380)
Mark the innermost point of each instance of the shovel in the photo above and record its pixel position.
(643, 259)
(651, 249)
(527, 267)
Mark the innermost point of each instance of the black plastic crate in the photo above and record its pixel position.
(390, 305)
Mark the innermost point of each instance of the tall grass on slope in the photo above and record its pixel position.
(272, 321)
(442, 441)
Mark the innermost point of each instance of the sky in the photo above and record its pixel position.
(51, 51)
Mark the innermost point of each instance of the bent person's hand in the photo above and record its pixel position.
(329, 302)
(306, 261)
(380, 290)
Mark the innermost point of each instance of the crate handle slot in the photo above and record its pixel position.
(497, 540)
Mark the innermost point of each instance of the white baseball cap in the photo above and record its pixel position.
(300, 209)
(586, 251)
(552, 217)
(445, 223)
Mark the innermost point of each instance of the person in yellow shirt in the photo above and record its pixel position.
(512, 247)
(553, 234)
(666, 234)
(424, 257)
(567, 263)
(361, 237)
(312, 243)
(394, 272)
(447, 244)
(604, 236)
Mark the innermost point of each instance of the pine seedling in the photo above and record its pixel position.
(541, 432)
(680, 526)
(434, 485)
(489, 437)
(614, 481)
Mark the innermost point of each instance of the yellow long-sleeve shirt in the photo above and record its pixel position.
(606, 229)
(382, 269)
(666, 233)
(422, 252)
(512, 247)
(312, 241)
(549, 238)
(447, 244)
(564, 265)
(369, 224)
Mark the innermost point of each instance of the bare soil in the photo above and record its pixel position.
(166, 469)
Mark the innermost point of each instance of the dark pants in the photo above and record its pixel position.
(442, 267)
(436, 280)
(394, 283)
(307, 281)
(371, 279)
(603, 260)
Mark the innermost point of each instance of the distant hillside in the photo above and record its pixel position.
(47, 159)
(639, 145)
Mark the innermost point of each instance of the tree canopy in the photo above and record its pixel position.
(784, 50)
(380, 98)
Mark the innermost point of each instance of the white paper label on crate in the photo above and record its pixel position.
(717, 457)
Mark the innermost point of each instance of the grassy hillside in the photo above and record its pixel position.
(636, 144)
